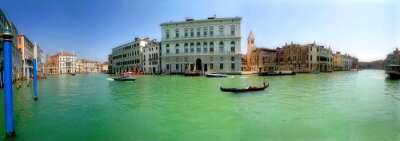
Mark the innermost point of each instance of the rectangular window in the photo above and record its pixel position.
(211, 66)
(177, 33)
(233, 66)
(221, 66)
(198, 32)
(177, 67)
(167, 34)
(205, 32)
(232, 58)
(221, 31)
(221, 58)
(211, 31)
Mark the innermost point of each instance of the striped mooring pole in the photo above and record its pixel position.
(8, 99)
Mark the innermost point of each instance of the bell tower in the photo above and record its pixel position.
(250, 48)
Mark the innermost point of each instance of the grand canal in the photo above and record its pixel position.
(362, 105)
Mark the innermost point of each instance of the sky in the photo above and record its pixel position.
(367, 29)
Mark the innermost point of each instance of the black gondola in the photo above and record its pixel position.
(246, 89)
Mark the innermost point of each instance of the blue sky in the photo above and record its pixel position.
(368, 29)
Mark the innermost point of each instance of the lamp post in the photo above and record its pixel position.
(8, 102)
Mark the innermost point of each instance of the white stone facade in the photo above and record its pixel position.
(208, 45)
(128, 57)
(151, 58)
(67, 64)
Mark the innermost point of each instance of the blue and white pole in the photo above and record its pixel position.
(8, 102)
(34, 73)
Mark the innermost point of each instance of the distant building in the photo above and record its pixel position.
(90, 66)
(206, 45)
(263, 59)
(104, 67)
(128, 57)
(62, 63)
(151, 57)
(344, 62)
(305, 58)
(393, 58)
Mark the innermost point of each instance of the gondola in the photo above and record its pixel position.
(246, 89)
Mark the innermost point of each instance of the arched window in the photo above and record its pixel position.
(176, 48)
(198, 47)
(167, 48)
(211, 47)
(205, 31)
(233, 46)
(186, 47)
(191, 47)
(221, 46)
(205, 47)
(211, 31)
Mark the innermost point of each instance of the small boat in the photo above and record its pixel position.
(72, 74)
(393, 71)
(215, 75)
(246, 89)
(125, 77)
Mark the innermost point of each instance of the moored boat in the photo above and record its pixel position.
(215, 75)
(393, 71)
(276, 73)
(191, 74)
(246, 89)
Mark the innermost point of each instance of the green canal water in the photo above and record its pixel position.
(362, 105)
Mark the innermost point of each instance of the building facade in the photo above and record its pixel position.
(305, 58)
(16, 53)
(343, 62)
(151, 57)
(207, 45)
(26, 47)
(62, 63)
(128, 57)
(263, 59)
(90, 66)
